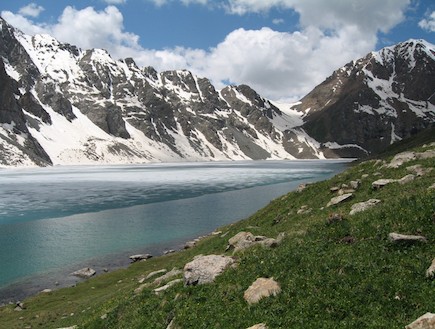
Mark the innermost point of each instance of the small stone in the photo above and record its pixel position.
(301, 187)
(167, 286)
(339, 199)
(363, 176)
(167, 252)
(426, 321)
(189, 244)
(85, 273)
(354, 184)
(261, 288)
(430, 273)
(46, 291)
(259, 326)
(333, 218)
(139, 257)
(362, 206)
(151, 274)
(419, 170)
(172, 273)
(396, 237)
(376, 185)
(431, 187)
(103, 317)
(334, 189)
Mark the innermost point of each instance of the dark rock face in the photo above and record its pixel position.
(374, 101)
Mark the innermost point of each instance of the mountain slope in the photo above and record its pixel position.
(82, 106)
(374, 101)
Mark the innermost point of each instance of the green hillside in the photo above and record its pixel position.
(335, 270)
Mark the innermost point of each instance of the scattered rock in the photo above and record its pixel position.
(167, 286)
(304, 210)
(363, 176)
(430, 272)
(426, 321)
(261, 288)
(139, 257)
(244, 240)
(189, 244)
(396, 237)
(85, 273)
(167, 252)
(376, 185)
(150, 275)
(345, 191)
(362, 206)
(406, 179)
(339, 199)
(431, 187)
(103, 317)
(426, 154)
(333, 218)
(334, 189)
(204, 269)
(46, 291)
(259, 326)
(355, 184)
(419, 170)
(167, 276)
(19, 307)
(400, 158)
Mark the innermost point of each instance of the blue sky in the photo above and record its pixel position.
(281, 48)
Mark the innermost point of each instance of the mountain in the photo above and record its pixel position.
(63, 105)
(375, 101)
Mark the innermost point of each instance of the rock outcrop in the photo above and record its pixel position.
(204, 269)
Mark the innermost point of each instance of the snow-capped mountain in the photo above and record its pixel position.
(63, 105)
(370, 103)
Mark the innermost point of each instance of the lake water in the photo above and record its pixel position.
(57, 220)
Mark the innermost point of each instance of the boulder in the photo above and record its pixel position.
(396, 237)
(261, 288)
(139, 257)
(204, 269)
(84, 273)
(339, 199)
(426, 321)
(362, 206)
(376, 185)
(430, 272)
(259, 326)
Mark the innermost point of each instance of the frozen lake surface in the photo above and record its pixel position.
(59, 219)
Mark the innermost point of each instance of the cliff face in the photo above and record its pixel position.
(64, 105)
(386, 96)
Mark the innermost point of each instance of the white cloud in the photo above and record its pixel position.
(31, 10)
(428, 23)
(278, 21)
(115, 2)
(278, 65)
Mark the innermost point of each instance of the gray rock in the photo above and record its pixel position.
(189, 244)
(400, 159)
(301, 187)
(426, 321)
(397, 237)
(154, 273)
(431, 187)
(261, 288)
(339, 199)
(172, 273)
(406, 179)
(85, 273)
(244, 240)
(139, 257)
(419, 170)
(355, 184)
(362, 206)
(430, 272)
(204, 269)
(376, 185)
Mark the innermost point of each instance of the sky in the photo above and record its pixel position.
(281, 48)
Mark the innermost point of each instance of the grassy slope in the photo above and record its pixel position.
(326, 282)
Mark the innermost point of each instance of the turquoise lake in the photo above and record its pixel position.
(56, 220)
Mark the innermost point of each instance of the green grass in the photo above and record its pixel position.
(345, 274)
